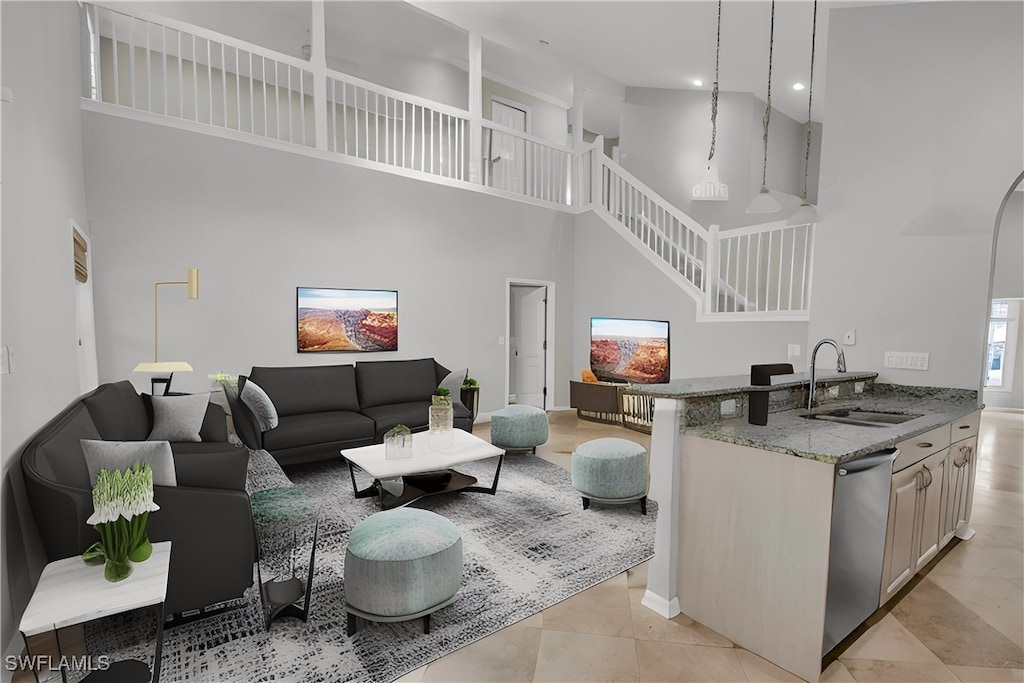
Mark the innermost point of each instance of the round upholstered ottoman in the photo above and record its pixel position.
(611, 470)
(519, 428)
(401, 564)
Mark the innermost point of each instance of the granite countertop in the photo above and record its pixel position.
(737, 384)
(834, 442)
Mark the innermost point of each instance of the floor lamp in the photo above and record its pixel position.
(174, 365)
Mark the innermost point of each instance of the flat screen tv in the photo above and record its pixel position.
(628, 350)
(346, 319)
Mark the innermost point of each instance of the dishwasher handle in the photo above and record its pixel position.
(867, 462)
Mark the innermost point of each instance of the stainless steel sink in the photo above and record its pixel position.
(861, 418)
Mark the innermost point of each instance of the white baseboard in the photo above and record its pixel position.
(1000, 409)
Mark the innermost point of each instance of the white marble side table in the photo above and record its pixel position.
(71, 592)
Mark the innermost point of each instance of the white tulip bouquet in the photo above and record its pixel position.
(121, 503)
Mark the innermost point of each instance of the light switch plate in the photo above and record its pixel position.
(850, 338)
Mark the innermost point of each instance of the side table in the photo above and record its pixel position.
(71, 592)
(280, 515)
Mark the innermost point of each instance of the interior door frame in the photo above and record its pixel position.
(514, 105)
(549, 334)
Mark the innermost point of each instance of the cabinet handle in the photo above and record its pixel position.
(967, 452)
(930, 477)
(924, 444)
(964, 427)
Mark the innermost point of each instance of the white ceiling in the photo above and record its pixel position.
(602, 46)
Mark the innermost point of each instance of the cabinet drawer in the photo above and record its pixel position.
(966, 427)
(921, 446)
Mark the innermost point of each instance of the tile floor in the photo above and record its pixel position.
(963, 621)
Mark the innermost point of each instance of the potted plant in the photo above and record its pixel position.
(469, 395)
(121, 502)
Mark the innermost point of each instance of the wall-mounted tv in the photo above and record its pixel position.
(346, 319)
(627, 350)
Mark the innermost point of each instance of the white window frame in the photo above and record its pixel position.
(1009, 350)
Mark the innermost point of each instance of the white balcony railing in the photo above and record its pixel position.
(177, 71)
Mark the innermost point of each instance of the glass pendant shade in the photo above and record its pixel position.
(763, 202)
(807, 213)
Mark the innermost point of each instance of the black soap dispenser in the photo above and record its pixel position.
(761, 376)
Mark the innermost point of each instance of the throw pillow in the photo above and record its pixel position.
(260, 404)
(178, 418)
(453, 383)
(120, 455)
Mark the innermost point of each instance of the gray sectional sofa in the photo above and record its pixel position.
(207, 515)
(325, 408)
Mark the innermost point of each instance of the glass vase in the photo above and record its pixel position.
(441, 422)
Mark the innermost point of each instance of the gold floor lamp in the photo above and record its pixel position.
(168, 366)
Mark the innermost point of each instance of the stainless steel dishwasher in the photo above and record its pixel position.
(860, 510)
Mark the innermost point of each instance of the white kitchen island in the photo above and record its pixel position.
(745, 512)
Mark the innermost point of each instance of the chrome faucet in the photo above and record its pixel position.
(840, 366)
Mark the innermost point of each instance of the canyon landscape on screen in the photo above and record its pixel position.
(347, 319)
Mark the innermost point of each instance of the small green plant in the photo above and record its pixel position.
(470, 383)
(442, 391)
(224, 378)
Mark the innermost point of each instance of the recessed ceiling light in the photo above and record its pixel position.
(697, 82)
(798, 86)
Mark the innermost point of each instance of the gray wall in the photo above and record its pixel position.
(614, 280)
(42, 191)
(912, 176)
(259, 222)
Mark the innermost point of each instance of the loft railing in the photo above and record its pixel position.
(370, 122)
(170, 69)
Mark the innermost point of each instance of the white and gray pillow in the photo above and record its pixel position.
(453, 383)
(120, 455)
(260, 404)
(178, 418)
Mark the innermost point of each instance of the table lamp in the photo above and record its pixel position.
(174, 365)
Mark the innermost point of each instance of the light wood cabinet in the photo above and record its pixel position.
(913, 532)
(963, 468)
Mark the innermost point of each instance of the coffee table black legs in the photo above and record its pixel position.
(420, 485)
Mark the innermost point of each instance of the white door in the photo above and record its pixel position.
(508, 153)
(527, 369)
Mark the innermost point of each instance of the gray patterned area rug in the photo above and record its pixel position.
(525, 549)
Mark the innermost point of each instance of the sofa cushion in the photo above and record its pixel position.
(211, 465)
(414, 415)
(178, 418)
(118, 412)
(388, 382)
(120, 455)
(311, 389)
(318, 428)
(259, 403)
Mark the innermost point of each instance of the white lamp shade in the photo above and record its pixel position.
(807, 213)
(164, 366)
(763, 202)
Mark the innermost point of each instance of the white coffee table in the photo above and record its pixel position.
(400, 481)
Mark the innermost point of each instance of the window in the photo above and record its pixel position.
(81, 260)
(1002, 333)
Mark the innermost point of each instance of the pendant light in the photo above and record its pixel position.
(764, 202)
(710, 189)
(807, 213)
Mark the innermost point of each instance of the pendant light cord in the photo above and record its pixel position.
(810, 95)
(768, 107)
(714, 88)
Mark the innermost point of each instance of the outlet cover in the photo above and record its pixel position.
(850, 338)
(906, 360)
(793, 351)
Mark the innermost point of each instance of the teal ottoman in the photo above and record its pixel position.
(519, 428)
(401, 564)
(611, 470)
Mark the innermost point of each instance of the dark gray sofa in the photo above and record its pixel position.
(325, 408)
(207, 515)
